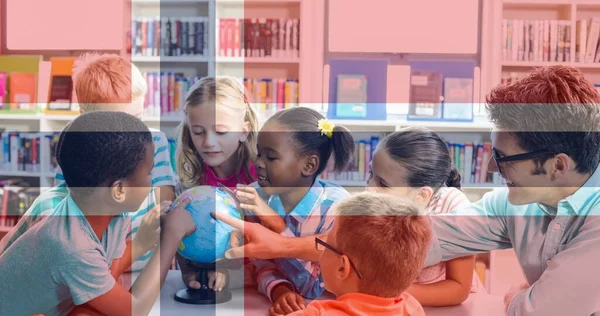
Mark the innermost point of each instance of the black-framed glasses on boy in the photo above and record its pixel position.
(498, 158)
(321, 245)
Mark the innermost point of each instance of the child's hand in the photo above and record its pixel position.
(217, 279)
(285, 301)
(147, 236)
(179, 221)
(252, 202)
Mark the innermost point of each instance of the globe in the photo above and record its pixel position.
(211, 238)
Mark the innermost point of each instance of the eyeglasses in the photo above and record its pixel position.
(519, 157)
(321, 245)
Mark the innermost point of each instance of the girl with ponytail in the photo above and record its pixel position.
(294, 147)
(415, 163)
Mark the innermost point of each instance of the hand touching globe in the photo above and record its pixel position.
(211, 239)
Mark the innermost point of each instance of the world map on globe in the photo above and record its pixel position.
(211, 239)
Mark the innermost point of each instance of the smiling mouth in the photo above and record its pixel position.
(263, 178)
(510, 184)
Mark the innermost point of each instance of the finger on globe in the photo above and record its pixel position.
(231, 221)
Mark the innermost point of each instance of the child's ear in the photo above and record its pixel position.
(344, 268)
(245, 132)
(423, 195)
(117, 191)
(311, 164)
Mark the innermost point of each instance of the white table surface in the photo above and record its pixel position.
(248, 302)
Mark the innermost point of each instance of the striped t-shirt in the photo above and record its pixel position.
(310, 217)
(162, 175)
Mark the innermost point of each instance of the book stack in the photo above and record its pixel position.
(471, 161)
(28, 152)
(536, 40)
(587, 41)
(262, 37)
(272, 94)
(160, 36)
(166, 92)
(358, 167)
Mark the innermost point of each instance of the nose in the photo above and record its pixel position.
(371, 187)
(210, 140)
(492, 166)
(260, 163)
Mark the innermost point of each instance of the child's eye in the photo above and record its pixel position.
(383, 184)
(271, 158)
(198, 133)
(221, 133)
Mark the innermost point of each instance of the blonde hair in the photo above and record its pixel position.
(106, 79)
(222, 91)
(366, 223)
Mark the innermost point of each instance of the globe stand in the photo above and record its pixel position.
(204, 295)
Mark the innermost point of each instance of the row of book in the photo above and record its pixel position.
(272, 94)
(258, 37)
(15, 198)
(536, 40)
(587, 41)
(161, 36)
(166, 92)
(471, 161)
(358, 167)
(28, 152)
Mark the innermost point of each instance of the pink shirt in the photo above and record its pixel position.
(444, 201)
(232, 181)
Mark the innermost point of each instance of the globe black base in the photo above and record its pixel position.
(202, 296)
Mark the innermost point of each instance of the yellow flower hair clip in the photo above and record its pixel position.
(326, 127)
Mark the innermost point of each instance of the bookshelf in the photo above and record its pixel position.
(495, 39)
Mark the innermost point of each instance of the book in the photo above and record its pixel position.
(351, 96)
(22, 91)
(3, 91)
(425, 95)
(458, 99)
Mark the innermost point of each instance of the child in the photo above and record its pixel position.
(216, 145)
(376, 248)
(294, 147)
(110, 82)
(65, 259)
(415, 163)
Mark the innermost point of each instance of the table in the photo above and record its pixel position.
(248, 302)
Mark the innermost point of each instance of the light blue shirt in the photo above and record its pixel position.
(59, 263)
(310, 217)
(558, 249)
(162, 175)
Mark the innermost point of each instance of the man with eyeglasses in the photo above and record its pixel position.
(546, 145)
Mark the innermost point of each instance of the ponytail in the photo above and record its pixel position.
(453, 179)
(342, 143)
(303, 124)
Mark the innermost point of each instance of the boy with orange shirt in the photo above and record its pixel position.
(374, 251)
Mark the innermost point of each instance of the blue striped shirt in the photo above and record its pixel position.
(162, 175)
(310, 217)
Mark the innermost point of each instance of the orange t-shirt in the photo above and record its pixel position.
(359, 304)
